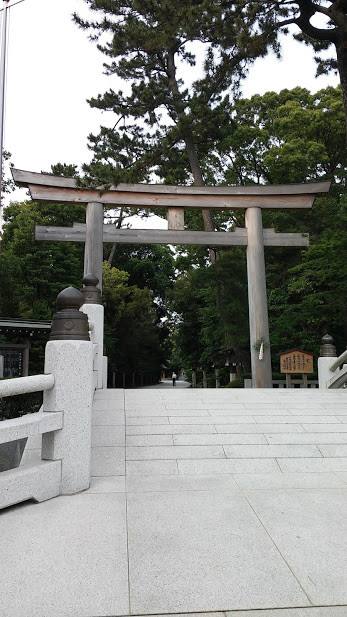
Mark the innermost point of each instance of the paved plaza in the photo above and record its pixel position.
(229, 502)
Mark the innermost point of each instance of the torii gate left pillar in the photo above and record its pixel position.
(93, 250)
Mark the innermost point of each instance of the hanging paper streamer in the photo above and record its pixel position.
(261, 351)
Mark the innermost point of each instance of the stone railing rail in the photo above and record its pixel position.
(331, 374)
(30, 425)
(24, 385)
(73, 369)
(342, 359)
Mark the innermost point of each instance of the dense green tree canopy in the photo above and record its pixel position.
(322, 24)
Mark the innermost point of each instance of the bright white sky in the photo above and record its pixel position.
(53, 68)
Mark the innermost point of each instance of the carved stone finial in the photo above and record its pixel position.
(327, 350)
(90, 291)
(69, 323)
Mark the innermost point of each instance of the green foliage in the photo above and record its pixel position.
(211, 303)
(237, 383)
(147, 266)
(19, 405)
(278, 138)
(131, 330)
(33, 273)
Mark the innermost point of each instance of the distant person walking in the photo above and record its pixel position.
(174, 377)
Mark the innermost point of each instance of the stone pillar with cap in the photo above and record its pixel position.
(327, 353)
(69, 358)
(94, 309)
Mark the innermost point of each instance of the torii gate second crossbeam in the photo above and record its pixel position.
(252, 199)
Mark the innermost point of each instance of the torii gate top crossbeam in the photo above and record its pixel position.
(45, 187)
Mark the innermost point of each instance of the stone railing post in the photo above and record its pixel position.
(69, 357)
(94, 310)
(327, 352)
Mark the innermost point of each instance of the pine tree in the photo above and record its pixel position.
(149, 44)
(273, 17)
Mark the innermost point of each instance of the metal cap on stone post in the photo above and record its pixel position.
(70, 323)
(90, 291)
(327, 349)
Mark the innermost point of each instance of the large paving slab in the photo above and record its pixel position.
(65, 557)
(223, 503)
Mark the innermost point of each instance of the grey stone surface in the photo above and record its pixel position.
(108, 461)
(222, 419)
(65, 558)
(291, 419)
(166, 411)
(38, 481)
(146, 420)
(31, 455)
(222, 439)
(195, 542)
(342, 475)
(149, 440)
(339, 450)
(106, 484)
(308, 527)
(213, 466)
(313, 438)
(338, 427)
(277, 480)
(312, 611)
(269, 451)
(108, 435)
(148, 468)
(209, 552)
(259, 428)
(71, 362)
(170, 429)
(312, 464)
(140, 484)
(174, 452)
(108, 417)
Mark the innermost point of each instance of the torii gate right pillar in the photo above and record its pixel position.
(257, 300)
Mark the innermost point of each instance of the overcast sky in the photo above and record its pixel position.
(53, 68)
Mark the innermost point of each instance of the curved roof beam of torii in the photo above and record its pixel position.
(46, 187)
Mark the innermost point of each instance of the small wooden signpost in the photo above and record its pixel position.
(296, 361)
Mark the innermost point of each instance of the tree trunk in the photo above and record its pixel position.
(341, 54)
(114, 246)
(188, 139)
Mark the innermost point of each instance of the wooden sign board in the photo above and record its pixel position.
(296, 361)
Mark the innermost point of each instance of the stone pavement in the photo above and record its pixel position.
(225, 502)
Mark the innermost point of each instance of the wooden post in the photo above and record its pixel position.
(288, 380)
(304, 378)
(257, 300)
(193, 378)
(175, 218)
(204, 379)
(25, 364)
(93, 253)
(217, 378)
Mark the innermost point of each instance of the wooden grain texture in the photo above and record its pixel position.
(175, 219)
(257, 300)
(77, 233)
(28, 177)
(212, 201)
(93, 252)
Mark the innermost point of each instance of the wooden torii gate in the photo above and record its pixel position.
(252, 199)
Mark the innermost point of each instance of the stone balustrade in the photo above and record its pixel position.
(73, 369)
